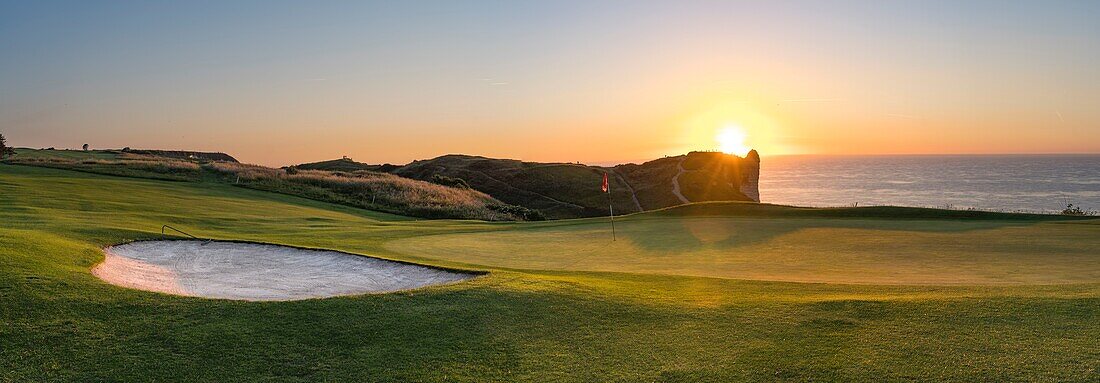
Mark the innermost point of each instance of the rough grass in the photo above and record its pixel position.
(568, 190)
(128, 166)
(364, 189)
(344, 165)
(368, 189)
(59, 323)
(558, 190)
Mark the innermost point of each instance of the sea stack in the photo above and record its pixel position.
(750, 175)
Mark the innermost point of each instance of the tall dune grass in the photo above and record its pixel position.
(374, 190)
(365, 189)
(163, 169)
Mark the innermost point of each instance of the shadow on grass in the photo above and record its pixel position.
(691, 233)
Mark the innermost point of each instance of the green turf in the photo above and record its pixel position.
(844, 250)
(561, 303)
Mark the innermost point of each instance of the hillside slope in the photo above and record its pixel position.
(184, 155)
(345, 165)
(365, 189)
(563, 190)
(558, 190)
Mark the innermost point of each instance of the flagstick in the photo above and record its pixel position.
(611, 207)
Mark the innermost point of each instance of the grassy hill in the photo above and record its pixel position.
(112, 162)
(361, 188)
(558, 190)
(345, 165)
(701, 177)
(28, 153)
(565, 190)
(186, 155)
(183, 155)
(688, 294)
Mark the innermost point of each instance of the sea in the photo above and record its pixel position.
(1006, 183)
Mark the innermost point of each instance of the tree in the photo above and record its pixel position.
(4, 149)
(1074, 210)
(85, 147)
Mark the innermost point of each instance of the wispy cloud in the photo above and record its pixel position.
(1059, 114)
(492, 81)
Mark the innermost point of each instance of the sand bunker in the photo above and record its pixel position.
(258, 272)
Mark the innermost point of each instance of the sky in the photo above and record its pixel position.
(278, 83)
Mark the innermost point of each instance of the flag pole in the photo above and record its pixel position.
(611, 207)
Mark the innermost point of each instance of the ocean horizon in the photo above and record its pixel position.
(1030, 183)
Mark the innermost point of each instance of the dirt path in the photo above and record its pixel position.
(633, 194)
(676, 182)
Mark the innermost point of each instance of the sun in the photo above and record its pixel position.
(731, 140)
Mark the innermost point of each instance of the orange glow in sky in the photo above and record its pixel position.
(559, 81)
(731, 140)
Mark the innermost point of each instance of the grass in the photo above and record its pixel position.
(557, 190)
(570, 190)
(711, 176)
(567, 190)
(27, 153)
(372, 190)
(363, 189)
(818, 250)
(535, 317)
(124, 165)
(344, 165)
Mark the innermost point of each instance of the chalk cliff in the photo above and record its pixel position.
(750, 175)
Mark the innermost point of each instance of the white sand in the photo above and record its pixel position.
(258, 272)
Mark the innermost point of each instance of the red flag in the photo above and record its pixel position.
(610, 206)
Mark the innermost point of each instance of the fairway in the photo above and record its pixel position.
(678, 297)
(844, 250)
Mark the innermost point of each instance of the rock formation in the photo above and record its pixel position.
(750, 175)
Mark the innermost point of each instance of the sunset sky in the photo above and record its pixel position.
(278, 83)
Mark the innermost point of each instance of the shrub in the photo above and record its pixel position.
(440, 179)
(1075, 211)
(519, 211)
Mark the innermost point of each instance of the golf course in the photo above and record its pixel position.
(719, 291)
